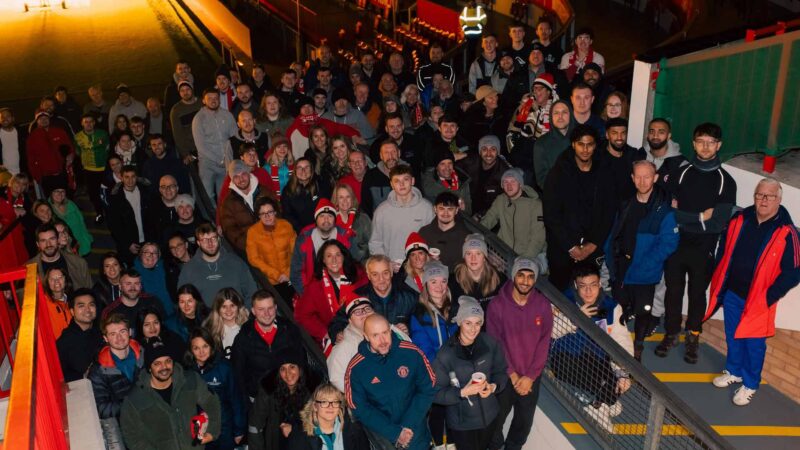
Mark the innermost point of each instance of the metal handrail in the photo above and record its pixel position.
(662, 399)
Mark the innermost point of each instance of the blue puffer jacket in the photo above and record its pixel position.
(656, 239)
(218, 375)
(390, 392)
(578, 342)
(430, 337)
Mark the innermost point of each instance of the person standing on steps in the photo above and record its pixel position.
(758, 262)
(703, 196)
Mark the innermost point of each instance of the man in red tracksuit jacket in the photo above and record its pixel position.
(46, 158)
(758, 263)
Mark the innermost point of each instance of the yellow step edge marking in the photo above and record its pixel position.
(657, 337)
(678, 430)
(677, 377)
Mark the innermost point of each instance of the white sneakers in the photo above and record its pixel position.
(726, 379)
(603, 414)
(743, 396)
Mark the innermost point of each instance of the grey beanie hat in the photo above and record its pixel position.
(433, 269)
(523, 263)
(489, 140)
(514, 173)
(474, 241)
(467, 307)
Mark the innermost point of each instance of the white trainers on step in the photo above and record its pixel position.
(743, 396)
(601, 415)
(726, 379)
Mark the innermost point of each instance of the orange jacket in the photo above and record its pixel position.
(271, 251)
(758, 319)
(60, 315)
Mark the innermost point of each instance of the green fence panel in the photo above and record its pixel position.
(789, 123)
(735, 91)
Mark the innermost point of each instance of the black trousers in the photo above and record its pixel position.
(696, 263)
(93, 180)
(586, 371)
(639, 297)
(524, 409)
(436, 423)
(472, 439)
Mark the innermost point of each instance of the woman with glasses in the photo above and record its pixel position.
(336, 275)
(326, 425)
(616, 106)
(227, 316)
(154, 280)
(58, 288)
(299, 198)
(270, 243)
(276, 411)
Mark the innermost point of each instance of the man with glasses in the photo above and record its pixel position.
(749, 293)
(703, 196)
(389, 387)
(213, 268)
(262, 343)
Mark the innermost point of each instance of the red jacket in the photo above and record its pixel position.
(302, 267)
(758, 318)
(313, 311)
(44, 153)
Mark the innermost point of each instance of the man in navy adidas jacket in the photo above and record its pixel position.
(389, 386)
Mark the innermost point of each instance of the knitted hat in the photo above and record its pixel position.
(304, 100)
(236, 167)
(340, 94)
(153, 350)
(355, 303)
(185, 83)
(390, 98)
(468, 307)
(184, 199)
(515, 173)
(546, 80)
(489, 140)
(474, 241)
(324, 206)
(415, 242)
(483, 92)
(523, 263)
(443, 155)
(434, 269)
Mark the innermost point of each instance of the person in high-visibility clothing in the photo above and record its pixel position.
(472, 19)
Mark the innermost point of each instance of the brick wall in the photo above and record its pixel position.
(782, 365)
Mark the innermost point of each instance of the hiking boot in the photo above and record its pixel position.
(743, 396)
(726, 379)
(692, 345)
(669, 341)
(638, 348)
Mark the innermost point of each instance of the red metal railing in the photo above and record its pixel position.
(37, 408)
(9, 316)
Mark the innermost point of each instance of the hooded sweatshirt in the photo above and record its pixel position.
(521, 222)
(393, 222)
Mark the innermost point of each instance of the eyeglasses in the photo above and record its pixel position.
(328, 403)
(362, 311)
(169, 186)
(267, 214)
(209, 239)
(704, 143)
(768, 197)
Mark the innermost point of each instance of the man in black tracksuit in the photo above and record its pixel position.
(580, 201)
(703, 196)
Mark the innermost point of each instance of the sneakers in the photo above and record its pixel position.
(669, 341)
(99, 219)
(602, 414)
(726, 379)
(692, 345)
(743, 396)
(615, 409)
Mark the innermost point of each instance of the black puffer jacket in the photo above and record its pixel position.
(109, 385)
(486, 356)
(396, 308)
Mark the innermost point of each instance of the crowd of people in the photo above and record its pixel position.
(347, 189)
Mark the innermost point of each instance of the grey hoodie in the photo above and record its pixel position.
(393, 222)
(673, 149)
(212, 131)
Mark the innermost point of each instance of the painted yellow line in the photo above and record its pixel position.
(657, 337)
(677, 377)
(679, 430)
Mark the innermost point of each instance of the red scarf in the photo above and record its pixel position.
(330, 291)
(573, 68)
(451, 184)
(351, 218)
(418, 280)
(418, 116)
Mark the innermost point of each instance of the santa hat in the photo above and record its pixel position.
(324, 206)
(415, 242)
(547, 81)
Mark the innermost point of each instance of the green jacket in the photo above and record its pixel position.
(149, 423)
(93, 149)
(73, 217)
(521, 222)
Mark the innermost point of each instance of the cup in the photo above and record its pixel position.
(478, 377)
(434, 252)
